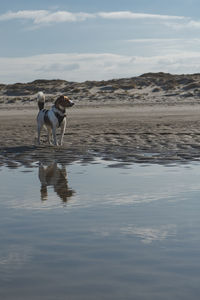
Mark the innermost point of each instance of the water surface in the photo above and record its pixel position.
(100, 231)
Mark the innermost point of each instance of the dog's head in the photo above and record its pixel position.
(63, 102)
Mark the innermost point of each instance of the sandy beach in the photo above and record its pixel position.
(125, 133)
(152, 118)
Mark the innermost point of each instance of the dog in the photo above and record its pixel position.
(52, 175)
(52, 118)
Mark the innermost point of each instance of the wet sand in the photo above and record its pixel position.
(125, 133)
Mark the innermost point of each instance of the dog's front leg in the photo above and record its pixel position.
(39, 132)
(63, 126)
(54, 135)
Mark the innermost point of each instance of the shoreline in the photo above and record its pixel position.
(161, 134)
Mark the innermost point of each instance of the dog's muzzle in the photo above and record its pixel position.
(71, 103)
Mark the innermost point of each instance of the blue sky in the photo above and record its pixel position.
(80, 40)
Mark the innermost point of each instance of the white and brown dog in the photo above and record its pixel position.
(52, 118)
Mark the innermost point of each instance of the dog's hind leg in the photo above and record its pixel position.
(49, 136)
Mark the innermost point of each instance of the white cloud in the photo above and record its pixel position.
(131, 15)
(163, 46)
(45, 16)
(92, 66)
(49, 17)
(24, 14)
(186, 24)
(193, 24)
(63, 16)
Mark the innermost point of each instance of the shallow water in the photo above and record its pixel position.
(100, 231)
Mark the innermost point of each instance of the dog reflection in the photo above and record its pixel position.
(54, 176)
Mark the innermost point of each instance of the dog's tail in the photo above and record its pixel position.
(41, 100)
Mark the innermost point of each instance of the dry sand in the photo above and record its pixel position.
(125, 133)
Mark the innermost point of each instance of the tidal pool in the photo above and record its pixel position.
(100, 231)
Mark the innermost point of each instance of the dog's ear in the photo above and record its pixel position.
(59, 100)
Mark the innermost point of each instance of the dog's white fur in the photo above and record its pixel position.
(41, 97)
(52, 118)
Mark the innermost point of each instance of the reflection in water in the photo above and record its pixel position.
(127, 234)
(54, 176)
(150, 234)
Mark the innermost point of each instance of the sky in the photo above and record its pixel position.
(79, 40)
